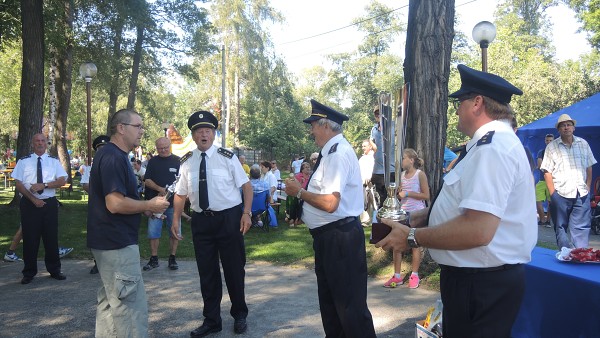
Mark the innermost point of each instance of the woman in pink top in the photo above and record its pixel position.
(413, 194)
(304, 174)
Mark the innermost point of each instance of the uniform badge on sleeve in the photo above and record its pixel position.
(225, 152)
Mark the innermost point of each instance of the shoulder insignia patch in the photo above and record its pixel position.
(333, 149)
(24, 157)
(225, 152)
(486, 139)
(185, 157)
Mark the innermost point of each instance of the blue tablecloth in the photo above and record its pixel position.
(561, 299)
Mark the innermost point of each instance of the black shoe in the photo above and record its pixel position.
(58, 276)
(152, 263)
(26, 280)
(240, 326)
(173, 263)
(94, 270)
(205, 330)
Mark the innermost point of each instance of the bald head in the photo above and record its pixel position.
(163, 146)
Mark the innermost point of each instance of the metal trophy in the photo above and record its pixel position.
(170, 191)
(389, 121)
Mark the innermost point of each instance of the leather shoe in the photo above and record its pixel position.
(58, 276)
(240, 326)
(205, 330)
(26, 280)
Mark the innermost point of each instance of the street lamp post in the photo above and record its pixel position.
(87, 71)
(484, 33)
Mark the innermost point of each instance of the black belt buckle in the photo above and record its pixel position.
(208, 213)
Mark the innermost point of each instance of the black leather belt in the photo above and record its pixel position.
(332, 225)
(211, 213)
(477, 270)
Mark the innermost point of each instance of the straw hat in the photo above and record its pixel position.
(563, 118)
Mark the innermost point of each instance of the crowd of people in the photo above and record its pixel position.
(479, 234)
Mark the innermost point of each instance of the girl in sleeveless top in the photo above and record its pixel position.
(413, 194)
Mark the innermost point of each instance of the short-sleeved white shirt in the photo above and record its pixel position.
(225, 176)
(338, 171)
(26, 172)
(495, 178)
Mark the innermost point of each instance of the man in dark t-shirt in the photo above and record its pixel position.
(160, 173)
(112, 231)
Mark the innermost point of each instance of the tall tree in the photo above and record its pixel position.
(32, 76)
(61, 59)
(430, 33)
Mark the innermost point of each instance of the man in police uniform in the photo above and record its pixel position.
(37, 176)
(211, 178)
(482, 227)
(330, 210)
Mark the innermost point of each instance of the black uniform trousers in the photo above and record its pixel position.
(481, 303)
(217, 235)
(341, 269)
(39, 223)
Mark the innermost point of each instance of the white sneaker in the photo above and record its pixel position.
(62, 252)
(12, 257)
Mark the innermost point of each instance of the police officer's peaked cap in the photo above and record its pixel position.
(202, 119)
(487, 84)
(321, 111)
(100, 141)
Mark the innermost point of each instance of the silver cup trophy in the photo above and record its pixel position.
(170, 191)
(392, 129)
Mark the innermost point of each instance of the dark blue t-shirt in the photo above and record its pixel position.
(162, 171)
(111, 172)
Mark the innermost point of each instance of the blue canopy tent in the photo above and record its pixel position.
(587, 115)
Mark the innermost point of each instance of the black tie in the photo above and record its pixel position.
(40, 178)
(203, 184)
(462, 155)
(311, 175)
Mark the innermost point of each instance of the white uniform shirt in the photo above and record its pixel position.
(494, 178)
(338, 171)
(225, 176)
(26, 172)
(366, 163)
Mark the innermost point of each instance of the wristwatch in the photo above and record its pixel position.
(299, 194)
(412, 241)
(45, 185)
(249, 213)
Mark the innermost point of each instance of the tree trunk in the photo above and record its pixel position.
(32, 77)
(113, 92)
(429, 38)
(135, 68)
(64, 83)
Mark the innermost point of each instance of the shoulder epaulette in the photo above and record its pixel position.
(486, 139)
(333, 149)
(185, 157)
(54, 157)
(24, 157)
(225, 152)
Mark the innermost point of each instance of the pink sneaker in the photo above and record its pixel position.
(414, 281)
(393, 282)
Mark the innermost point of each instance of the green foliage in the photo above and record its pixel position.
(588, 12)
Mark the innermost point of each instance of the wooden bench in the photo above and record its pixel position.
(67, 188)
